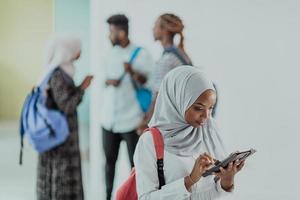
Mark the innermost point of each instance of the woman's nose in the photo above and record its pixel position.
(206, 114)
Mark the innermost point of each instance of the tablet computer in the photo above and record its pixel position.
(241, 156)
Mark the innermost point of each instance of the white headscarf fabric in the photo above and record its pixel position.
(61, 52)
(179, 90)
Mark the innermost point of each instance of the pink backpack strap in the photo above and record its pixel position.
(159, 150)
(158, 142)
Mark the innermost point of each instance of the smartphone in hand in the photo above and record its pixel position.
(241, 156)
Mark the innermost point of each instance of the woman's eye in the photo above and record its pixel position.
(198, 108)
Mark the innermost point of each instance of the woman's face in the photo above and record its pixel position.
(157, 30)
(77, 56)
(198, 113)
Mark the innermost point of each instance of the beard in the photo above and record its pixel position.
(116, 42)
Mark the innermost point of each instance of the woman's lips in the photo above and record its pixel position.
(201, 123)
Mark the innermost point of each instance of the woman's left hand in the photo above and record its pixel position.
(86, 82)
(227, 175)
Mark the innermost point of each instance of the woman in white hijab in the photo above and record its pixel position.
(191, 142)
(59, 169)
(62, 51)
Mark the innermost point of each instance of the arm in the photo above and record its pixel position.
(66, 96)
(216, 187)
(106, 66)
(112, 82)
(147, 177)
(223, 182)
(215, 191)
(226, 176)
(144, 124)
(141, 68)
(135, 74)
(147, 180)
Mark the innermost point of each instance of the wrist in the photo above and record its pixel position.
(188, 182)
(227, 185)
(131, 72)
(81, 88)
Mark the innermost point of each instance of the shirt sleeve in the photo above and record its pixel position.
(165, 64)
(147, 177)
(220, 190)
(216, 191)
(104, 74)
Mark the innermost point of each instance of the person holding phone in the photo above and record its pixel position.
(192, 143)
(59, 169)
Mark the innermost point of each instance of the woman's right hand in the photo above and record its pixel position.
(202, 163)
(86, 82)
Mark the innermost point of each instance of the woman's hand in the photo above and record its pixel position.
(86, 82)
(227, 175)
(203, 162)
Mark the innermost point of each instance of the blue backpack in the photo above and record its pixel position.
(44, 128)
(143, 95)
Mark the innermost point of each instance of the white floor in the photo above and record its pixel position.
(16, 182)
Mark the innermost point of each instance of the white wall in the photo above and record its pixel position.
(250, 49)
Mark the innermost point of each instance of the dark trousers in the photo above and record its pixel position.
(111, 144)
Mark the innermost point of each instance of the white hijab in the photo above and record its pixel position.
(61, 51)
(179, 90)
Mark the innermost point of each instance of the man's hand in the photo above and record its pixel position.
(128, 68)
(112, 82)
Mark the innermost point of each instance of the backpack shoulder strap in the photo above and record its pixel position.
(158, 142)
(176, 52)
(47, 78)
(24, 114)
(134, 54)
(131, 60)
(159, 150)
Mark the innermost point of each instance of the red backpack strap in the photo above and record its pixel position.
(159, 150)
(158, 142)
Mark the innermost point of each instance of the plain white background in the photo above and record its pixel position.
(250, 49)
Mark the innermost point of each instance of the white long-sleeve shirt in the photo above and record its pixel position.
(175, 169)
(121, 111)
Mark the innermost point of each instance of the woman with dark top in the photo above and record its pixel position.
(59, 169)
